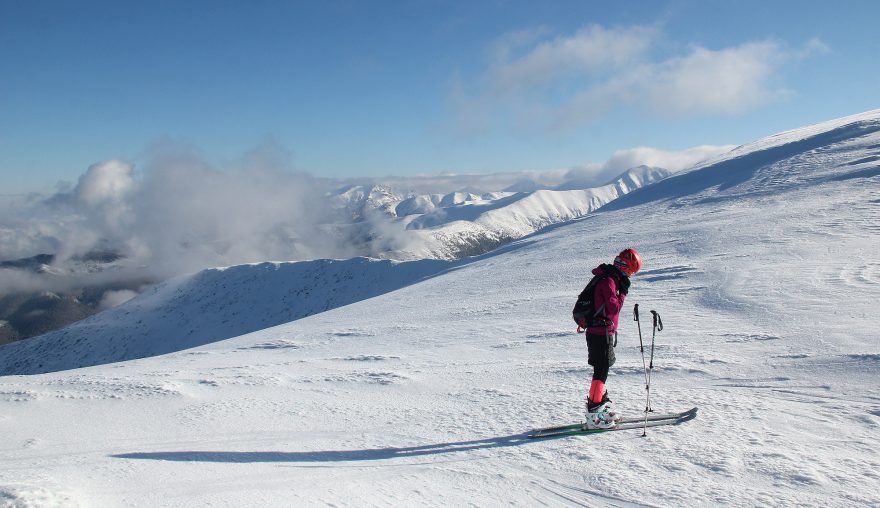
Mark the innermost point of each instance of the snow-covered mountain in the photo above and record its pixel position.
(762, 264)
(212, 305)
(464, 224)
(628, 181)
(358, 201)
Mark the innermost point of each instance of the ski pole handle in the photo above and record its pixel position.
(658, 326)
(658, 323)
(639, 325)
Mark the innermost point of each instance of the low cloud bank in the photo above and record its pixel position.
(119, 226)
(177, 215)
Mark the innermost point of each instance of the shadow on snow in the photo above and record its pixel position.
(335, 455)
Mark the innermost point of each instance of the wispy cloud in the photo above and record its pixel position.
(673, 160)
(622, 160)
(565, 81)
(727, 81)
(590, 51)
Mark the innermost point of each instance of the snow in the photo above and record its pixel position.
(459, 224)
(473, 225)
(762, 264)
(209, 306)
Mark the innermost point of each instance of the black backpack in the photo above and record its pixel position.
(584, 310)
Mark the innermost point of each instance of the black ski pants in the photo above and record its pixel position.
(600, 354)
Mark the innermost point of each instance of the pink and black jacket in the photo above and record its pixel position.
(610, 292)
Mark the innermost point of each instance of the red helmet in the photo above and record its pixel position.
(628, 261)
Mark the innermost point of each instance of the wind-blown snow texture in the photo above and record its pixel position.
(762, 264)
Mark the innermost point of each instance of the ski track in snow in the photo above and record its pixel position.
(421, 396)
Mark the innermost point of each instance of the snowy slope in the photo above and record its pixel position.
(211, 305)
(763, 266)
(777, 162)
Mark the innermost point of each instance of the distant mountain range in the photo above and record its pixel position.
(378, 221)
(450, 226)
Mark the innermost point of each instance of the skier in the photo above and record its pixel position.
(611, 285)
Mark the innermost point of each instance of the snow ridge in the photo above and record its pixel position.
(753, 167)
(210, 306)
(475, 225)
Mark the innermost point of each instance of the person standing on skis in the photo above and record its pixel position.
(610, 285)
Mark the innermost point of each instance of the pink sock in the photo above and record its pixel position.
(597, 391)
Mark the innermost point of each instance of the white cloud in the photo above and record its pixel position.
(101, 198)
(622, 160)
(115, 298)
(727, 81)
(104, 182)
(814, 46)
(674, 161)
(504, 48)
(593, 49)
(565, 81)
(12, 281)
(187, 215)
(178, 214)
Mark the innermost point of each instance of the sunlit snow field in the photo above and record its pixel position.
(763, 265)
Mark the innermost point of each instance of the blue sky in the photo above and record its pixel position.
(357, 88)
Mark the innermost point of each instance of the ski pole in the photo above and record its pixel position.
(658, 326)
(641, 344)
(644, 364)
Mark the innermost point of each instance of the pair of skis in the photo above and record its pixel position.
(632, 423)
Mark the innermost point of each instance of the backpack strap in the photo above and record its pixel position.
(589, 295)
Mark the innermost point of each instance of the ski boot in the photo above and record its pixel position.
(608, 409)
(600, 416)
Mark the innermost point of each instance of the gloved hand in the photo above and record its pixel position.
(623, 285)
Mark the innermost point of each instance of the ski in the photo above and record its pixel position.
(629, 423)
(651, 417)
(689, 415)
